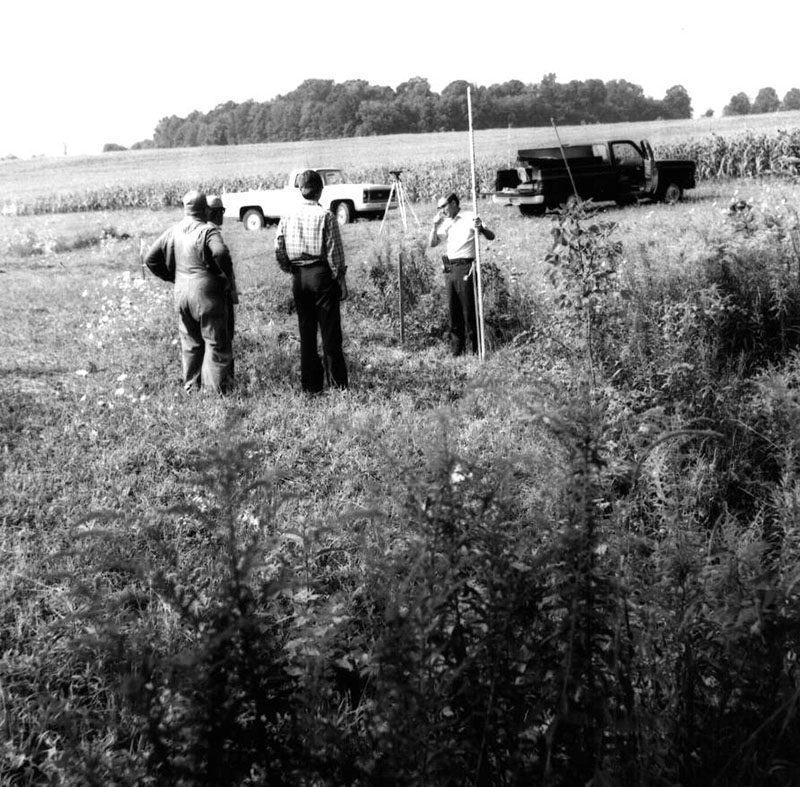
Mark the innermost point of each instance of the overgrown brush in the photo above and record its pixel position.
(404, 277)
(481, 643)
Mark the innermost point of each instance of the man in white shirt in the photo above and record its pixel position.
(457, 228)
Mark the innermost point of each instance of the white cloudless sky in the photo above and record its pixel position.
(79, 74)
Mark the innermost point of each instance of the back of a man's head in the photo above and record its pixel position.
(310, 184)
(194, 204)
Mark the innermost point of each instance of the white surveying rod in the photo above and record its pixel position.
(478, 284)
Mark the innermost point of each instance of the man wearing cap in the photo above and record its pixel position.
(308, 245)
(457, 228)
(216, 215)
(193, 255)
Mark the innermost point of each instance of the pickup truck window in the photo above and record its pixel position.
(600, 151)
(627, 155)
(329, 177)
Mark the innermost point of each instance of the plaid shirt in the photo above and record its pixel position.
(309, 234)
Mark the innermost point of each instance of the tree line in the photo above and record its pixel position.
(325, 109)
(765, 101)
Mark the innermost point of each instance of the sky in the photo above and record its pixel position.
(80, 74)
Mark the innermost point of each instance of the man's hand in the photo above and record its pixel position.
(342, 287)
(433, 237)
(482, 230)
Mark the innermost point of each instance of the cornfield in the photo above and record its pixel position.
(745, 155)
(749, 154)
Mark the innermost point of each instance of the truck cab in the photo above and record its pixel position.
(621, 171)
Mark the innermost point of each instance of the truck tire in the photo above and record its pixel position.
(253, 219)
(672, 194)
(344, 212)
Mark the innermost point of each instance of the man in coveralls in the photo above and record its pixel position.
(194, 256)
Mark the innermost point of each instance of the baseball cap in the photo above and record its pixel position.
(194, 203)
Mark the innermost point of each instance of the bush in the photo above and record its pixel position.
(506, 313)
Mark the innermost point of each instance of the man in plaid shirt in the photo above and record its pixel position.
(308, 245)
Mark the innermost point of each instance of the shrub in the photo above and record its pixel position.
(506, 313)
(422, 305)
(583, 270)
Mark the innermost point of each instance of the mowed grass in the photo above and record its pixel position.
(94, 310)
(41, 177)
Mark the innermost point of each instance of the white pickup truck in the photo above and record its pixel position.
(347, 200)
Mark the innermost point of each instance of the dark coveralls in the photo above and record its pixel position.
(194, 256)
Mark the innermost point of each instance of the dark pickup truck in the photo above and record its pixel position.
(621, 171)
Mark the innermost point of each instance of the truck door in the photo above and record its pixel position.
(650, 169)
(630, 167)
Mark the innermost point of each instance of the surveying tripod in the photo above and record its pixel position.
(398, 190)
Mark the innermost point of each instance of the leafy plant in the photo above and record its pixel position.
(583, 269)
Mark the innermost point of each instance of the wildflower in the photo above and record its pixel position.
(459, 474)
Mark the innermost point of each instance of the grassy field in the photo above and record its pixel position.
(45, 176)
(576, 560)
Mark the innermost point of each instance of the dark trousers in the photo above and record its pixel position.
(461, 302)
(316, 297)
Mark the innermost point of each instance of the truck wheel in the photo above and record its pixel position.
(672, 194)
(344, 213)
(253, 219)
